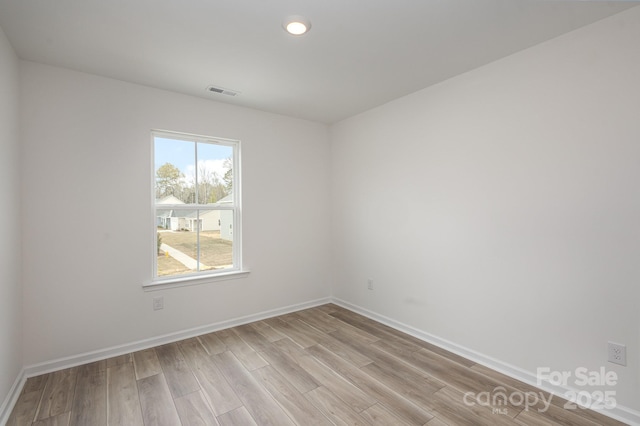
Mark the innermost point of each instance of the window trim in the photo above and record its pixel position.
(189, 280)
(199, 277)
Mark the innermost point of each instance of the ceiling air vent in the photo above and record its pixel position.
(222, 91)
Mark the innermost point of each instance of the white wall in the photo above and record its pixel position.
(500, 210)
(87, 158)
(10, 240)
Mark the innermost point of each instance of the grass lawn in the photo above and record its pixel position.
(167, 265)
(214, 251)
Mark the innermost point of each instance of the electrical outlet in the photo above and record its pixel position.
(370, 284)
(158, 303)
(617, 353)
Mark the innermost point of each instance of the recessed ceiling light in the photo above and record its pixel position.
(296, 25)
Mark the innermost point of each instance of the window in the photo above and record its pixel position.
(196, 207)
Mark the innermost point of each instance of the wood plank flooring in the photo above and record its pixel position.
(320, 366)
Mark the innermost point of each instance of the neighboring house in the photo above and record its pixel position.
(226, 219)
(177, 220)
(164, 217)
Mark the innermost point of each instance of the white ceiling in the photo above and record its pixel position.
(359, 53)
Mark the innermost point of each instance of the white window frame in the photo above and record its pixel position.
(199, 277)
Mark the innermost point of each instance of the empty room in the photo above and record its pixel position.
(289, 213)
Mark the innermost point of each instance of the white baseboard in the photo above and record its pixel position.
(620, 413)
(12, 397)
(98, 355)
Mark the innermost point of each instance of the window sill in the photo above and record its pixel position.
(196, 280)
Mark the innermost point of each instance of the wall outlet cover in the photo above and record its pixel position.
(617, 353)
(158, 303)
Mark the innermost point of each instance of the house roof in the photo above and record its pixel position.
(164, 213)
(170, 199)
(227, 199)
(190, 214)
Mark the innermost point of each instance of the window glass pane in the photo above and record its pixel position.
(178, 254)
(214, 173)
(174, 171)
(216, 239)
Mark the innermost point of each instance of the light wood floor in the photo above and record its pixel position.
(320, 366)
